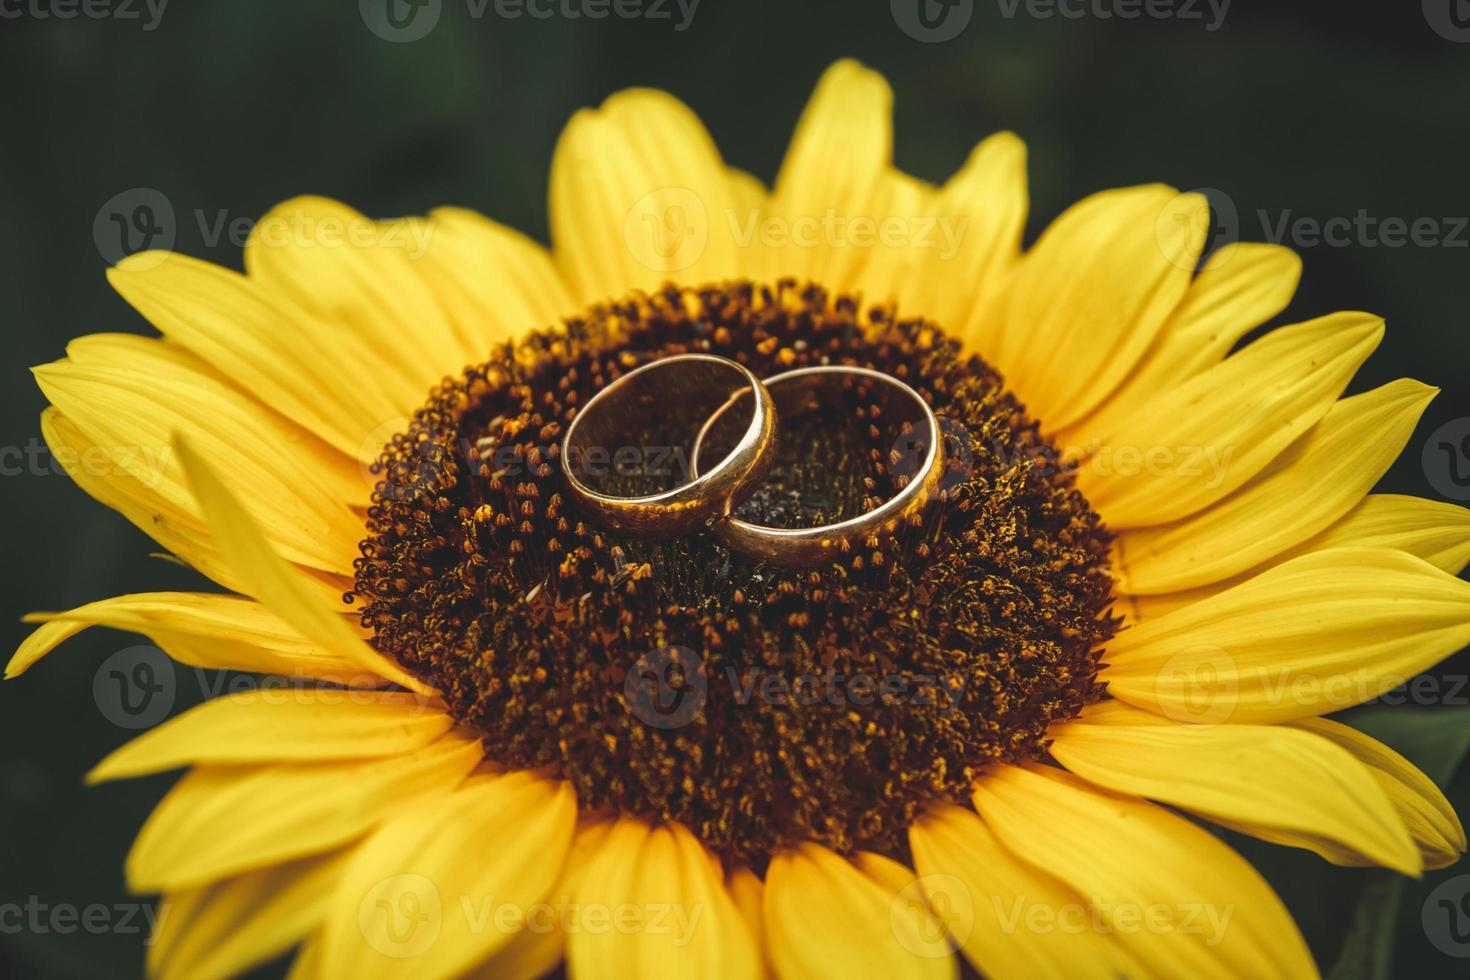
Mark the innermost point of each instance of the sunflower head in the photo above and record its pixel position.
(1153, 563)
(828, 704)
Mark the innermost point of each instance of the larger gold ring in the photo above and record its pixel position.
(599, 432)
(807, 546)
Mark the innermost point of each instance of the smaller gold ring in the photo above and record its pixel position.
(704, 497)
(807, 546)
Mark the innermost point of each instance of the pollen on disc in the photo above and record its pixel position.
(758, 706)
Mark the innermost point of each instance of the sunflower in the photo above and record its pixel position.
(992, 736)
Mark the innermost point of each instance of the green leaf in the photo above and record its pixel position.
(1367, 952)
(1435, 740)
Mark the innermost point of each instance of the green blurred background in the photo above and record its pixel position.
(1292, 110)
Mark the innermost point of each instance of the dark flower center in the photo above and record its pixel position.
(759, 706)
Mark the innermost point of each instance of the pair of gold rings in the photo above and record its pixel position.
(707, 497)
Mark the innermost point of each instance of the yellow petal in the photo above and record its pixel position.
(130, 395)
(224, 929)
(1283, 785)
(51, 635)
(270, 348)
(826, 918)
(531, 954)
(985, 205)
(180, 532)
(437, 889)
(902, 243)
(277, 584)
(750, 201)
(686, 925)
(506, 284)
(747, 190)
(1087, 301)
(307, 963)
(639, 195)
(1321, 477)
(359, 280)
(1138, 609)
(218, 632)
(1313, 635)
(1240, 287)
(833, 171)
(1010, 920)
(1177, 899)
(220, 821)
(1193, 445)
(914, 911)
(1436, 531)
(534, 952)
(1433, 530)
(281, 724)
(749, 893)
(1431, 819)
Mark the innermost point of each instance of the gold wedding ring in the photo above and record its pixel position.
(805, 546)
(597, 440)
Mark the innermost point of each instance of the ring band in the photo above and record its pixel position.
(805, 546)
(705, 497)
